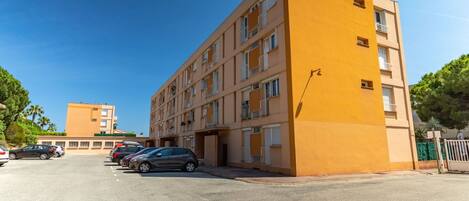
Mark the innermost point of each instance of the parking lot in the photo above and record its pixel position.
(91, 177)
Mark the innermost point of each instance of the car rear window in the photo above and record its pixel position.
(3, 148)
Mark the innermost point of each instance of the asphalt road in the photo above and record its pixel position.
(92, 178)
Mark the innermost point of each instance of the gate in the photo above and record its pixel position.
(457, 155)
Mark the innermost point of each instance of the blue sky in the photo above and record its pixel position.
(119, 52)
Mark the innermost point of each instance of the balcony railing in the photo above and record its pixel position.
(245, 113)
(385, 66)
(390, 107)
(381, 28)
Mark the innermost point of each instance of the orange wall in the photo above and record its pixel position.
(79, 120)
(340, 127)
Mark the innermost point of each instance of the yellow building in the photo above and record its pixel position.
(299, 87)
(85, 120)
(90, 128)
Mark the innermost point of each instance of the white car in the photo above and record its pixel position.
(4, 155)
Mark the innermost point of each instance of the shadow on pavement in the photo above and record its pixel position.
(172, 173)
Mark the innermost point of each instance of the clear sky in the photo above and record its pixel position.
(119, 52)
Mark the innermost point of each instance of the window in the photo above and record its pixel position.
(388, 99)
(362, 42)
(166, 152)
(272, 136)
(272, 88)
(97, 144)
(73, 144)
(84, 144)
(366, 84)
(205, 57)
(47, 142)
(359, 3)
(180, 151)
(60, 143)
(104, 112)
(215, 82)
(383, 58)
(108, 144)
(380, 19)
(103, 123)
(244, 28)
(244, 66)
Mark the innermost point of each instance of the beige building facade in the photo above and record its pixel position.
(282, 87)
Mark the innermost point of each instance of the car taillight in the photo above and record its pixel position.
(2, 153)
(115, 155)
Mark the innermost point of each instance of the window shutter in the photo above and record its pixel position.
(254, 57)
(254, 100)
(255, 144)
(253, 19)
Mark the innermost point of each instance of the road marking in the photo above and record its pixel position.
(117, 180)
(115, 175)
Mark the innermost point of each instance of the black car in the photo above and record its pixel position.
(40, 151)
(125, 161)
(165, 159)
(121, 152)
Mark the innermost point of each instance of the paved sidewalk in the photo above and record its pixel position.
(260, 177)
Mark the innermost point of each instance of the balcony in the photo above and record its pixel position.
(385, 66)
(381, 28)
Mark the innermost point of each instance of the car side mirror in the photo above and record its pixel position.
(158, 155)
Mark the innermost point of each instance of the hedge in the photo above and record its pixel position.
(116, 135)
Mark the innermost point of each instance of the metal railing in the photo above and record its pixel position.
(390, 107)
(381, 28)
(245, 113)
(385, 66)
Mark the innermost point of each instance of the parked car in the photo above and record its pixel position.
(165, 159)
(3, 155)
(41, 151)
(125, 161)
(124, 144)
(58, 150)
(123, 151)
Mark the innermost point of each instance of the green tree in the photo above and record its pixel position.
(444, 95)
(51, 127)
(15, 134)
(43, 121)
(13, 96)
(35, 111)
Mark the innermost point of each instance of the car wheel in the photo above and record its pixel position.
(12, 156)
(119, 161)
(1, 164)
(144, 167)
(43, 157)
(189, 167)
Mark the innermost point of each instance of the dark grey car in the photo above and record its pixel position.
(165, 159)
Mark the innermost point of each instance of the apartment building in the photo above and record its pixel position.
(85, 120)
(89, 128)
(298, 87)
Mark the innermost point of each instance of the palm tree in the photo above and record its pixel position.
(35, 110)
(43, 121)
(51, 127)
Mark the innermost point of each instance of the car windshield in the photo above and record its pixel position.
(146, 150)
(153, 152)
